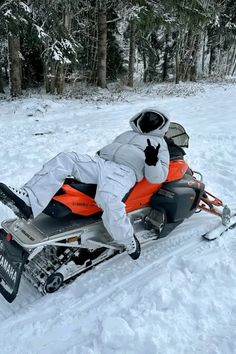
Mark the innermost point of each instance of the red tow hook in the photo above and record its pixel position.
(8, 237)
(212, 200)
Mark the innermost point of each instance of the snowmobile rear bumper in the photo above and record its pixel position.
(12, 260)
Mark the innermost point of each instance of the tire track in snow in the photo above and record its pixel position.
(167, 251)
(167, 256)
(27, 296)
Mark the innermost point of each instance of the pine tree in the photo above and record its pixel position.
(14, 15)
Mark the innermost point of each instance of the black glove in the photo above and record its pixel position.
(151, 154)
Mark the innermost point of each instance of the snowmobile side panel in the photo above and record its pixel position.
(179, 199)
(177, 170)
(12, 260)
(79, 202)
(141, 194)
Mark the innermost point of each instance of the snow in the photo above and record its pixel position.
(179, 297)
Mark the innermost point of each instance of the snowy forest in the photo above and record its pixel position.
(55, 44)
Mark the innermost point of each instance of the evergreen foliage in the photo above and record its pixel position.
(53, 42)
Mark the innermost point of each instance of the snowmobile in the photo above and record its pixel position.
(69, 238)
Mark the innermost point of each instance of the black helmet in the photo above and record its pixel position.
(149, 121)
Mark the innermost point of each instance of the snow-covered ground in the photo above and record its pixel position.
(180, 296)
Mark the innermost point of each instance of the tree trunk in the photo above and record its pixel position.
(144, 67)
(165, 60)
(60, 79)
(234, 69)
(203, 59)
(177, 67)
(190, 61)
(15, 74)
(50, 77)
(233, 63)
(212, 60)
(61, 68)
(131, 55)
(231, 56)
(102, 44)
(178, 57)
(1, 81)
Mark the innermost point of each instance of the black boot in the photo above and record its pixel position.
(133, 248)
(16, 200)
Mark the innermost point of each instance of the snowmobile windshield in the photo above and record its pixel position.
(177, 133)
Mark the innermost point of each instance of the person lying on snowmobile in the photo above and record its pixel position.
(133, 155)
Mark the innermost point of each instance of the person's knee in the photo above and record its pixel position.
(64, 155)
(110, 202)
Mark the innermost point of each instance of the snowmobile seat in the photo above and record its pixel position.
(59, 210)
(86, 188)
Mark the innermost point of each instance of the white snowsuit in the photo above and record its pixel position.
(115, 170)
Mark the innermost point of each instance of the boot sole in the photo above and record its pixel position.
(7, 198)
(137, 253)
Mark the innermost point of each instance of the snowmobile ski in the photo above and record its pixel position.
(220, 229)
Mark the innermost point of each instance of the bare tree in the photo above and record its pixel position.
(102, 43)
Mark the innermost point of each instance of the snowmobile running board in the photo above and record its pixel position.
(44, 231)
